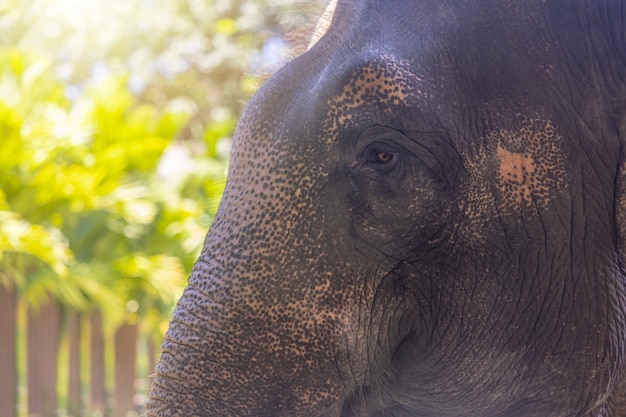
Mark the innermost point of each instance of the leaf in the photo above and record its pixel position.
(226, 26)
(157, 276)
(46, 244)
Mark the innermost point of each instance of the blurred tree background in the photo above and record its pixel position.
(115, 123)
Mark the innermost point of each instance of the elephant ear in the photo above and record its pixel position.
(617, 400)
(620, 213)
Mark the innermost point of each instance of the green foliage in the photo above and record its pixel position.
(83, 213)
(115, 120)
(45, 244)
(206, 53)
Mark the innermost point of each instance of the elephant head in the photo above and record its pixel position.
(424, 216)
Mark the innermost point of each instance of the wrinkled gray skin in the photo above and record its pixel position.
(424, 216)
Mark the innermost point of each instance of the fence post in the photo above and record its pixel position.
(8, 359)
(96, 360)
(74, 392)
(125, 354)
(43, 348)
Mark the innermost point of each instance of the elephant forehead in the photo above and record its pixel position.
(385, 82)
(382, 82)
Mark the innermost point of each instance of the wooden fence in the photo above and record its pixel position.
(65, 356)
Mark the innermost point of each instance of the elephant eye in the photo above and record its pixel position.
(380, 156)
(383, 157)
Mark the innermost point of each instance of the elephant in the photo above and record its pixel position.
(424, 215)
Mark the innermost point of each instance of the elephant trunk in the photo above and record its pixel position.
(234, 350)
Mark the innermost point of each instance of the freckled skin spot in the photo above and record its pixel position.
(531, 165)
(517, 174)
